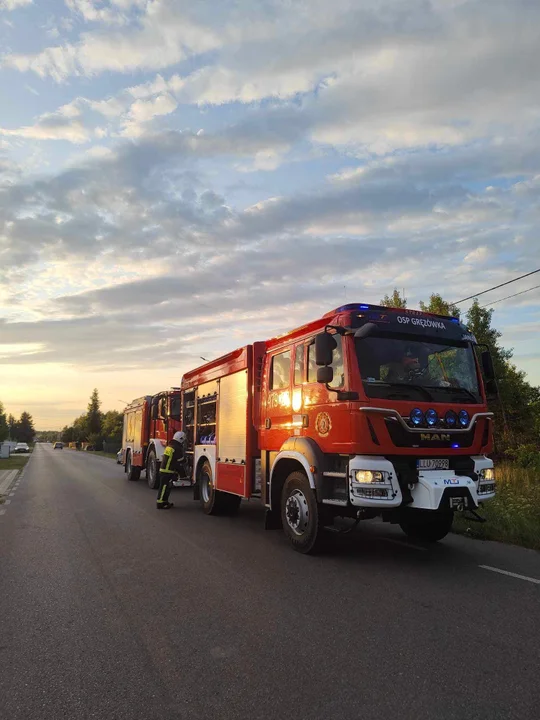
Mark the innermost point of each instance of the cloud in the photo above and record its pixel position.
(13, 4)
(163, 36)
(64, 124)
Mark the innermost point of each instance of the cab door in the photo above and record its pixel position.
(328, 418)
(277, 418)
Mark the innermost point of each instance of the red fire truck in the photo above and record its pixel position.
(368, 411)
(149, 424)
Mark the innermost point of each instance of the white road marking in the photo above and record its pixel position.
(6, 502)
(11, 494)
(2, 512)
(511, 574)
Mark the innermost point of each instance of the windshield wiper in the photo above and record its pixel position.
(408, 386)
(456, 390)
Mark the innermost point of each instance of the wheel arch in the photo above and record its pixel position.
(297, 454)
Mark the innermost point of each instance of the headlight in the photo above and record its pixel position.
(450, 419)
(431, 417)
(370, 476)
(417, 417)
(463, 418)
(487, 474)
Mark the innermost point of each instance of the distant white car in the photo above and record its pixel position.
(119, 457)
(21, 448)
(58, 446)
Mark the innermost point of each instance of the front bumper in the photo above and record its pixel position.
(433, 489)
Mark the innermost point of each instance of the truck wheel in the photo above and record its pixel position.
(300, 515)
(426, 525)
(214, 502)
(152, 474)
(133, 473)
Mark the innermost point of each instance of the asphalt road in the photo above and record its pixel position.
(111, 609)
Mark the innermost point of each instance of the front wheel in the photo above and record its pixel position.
(426, 525)
(152, 475)
(300, 514)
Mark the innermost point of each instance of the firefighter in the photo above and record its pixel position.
(171, 465)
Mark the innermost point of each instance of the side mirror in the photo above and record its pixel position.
(365, 331)
(325, 375)
(491, 389)
(325, 345)
(155, 410)
(487, 365)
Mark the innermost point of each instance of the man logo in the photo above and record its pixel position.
(435, 437)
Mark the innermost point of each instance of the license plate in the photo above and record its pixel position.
(432, 464)
(459, 503)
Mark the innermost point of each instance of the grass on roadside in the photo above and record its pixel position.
(104, 454)
(15, 462)
(513, 516)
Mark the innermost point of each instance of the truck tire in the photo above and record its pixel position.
(152, 470)
(214, 502)
(300, 515)
(426, 525)
(133, 473)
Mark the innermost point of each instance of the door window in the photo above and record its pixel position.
(337, 364)
(280, 371)
(299, 365)
(311, 364)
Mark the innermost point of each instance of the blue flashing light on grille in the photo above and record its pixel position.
(417, 417)
(455, 445)
(450, 418)
(463, 418)
(431, 417)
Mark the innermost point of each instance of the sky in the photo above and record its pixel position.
(179, 178)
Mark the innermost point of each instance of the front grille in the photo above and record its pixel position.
(437, 438)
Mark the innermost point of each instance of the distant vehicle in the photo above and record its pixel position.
(21, 448)
(119, 457)
(58, 446)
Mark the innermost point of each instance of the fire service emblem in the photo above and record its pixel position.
(323, 424)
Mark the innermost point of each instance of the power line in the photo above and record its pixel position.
(495, 287)
(510, 296)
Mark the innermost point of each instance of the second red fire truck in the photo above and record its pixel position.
(149, 424)
(368, 411)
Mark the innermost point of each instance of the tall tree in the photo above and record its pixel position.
(11, 423)
(113, 423)
(439, 306)
(4, 428)
(516, 407)
(394, 300)
(94, 417)
(68, 434)
(25, 428)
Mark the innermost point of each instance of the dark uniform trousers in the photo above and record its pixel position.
(172, 464)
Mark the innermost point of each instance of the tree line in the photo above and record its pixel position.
(21, 430)
(94, 426)
(516, 405)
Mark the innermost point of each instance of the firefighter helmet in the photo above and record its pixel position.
(179, 436)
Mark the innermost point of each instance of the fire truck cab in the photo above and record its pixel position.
(366, 411)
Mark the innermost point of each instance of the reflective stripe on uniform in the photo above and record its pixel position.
(168, 453)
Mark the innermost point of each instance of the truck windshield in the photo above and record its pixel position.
(403, 368)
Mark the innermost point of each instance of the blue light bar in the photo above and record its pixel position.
(364, 307)
(454, 319)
